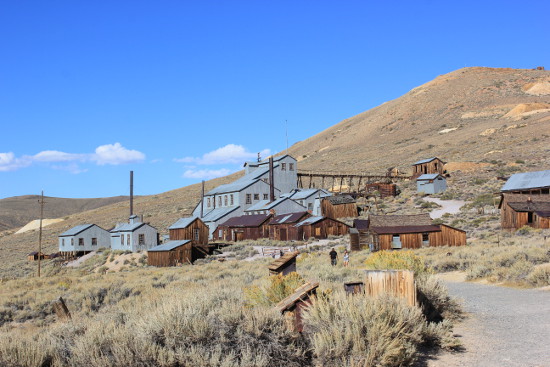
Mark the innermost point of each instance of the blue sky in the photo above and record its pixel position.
(183, 90)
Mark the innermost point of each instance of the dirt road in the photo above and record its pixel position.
(505, 327)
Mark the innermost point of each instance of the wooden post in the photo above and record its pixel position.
(40, 231)
(61, 310)
(398, 283)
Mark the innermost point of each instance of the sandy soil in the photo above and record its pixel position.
(447, 206)
(35, 224)
(80, 260)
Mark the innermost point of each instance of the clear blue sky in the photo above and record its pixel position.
(183, 90)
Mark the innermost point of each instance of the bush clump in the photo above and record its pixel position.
(398, 260)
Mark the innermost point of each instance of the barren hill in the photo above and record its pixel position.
(470, 115)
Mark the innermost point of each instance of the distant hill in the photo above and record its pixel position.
(17, 211)
(496, 117)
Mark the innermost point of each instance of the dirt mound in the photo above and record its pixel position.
(35, 224)
(524, 108)
(538, 89)
(465, 166)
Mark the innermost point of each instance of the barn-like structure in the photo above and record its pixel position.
(393, 232)
(525, 201)
(430, 165)
(339, 206)
(244, 227)
(190, 228)
(174, 253)
(282, 227)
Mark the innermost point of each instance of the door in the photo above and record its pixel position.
(282, 235)
(239, 236)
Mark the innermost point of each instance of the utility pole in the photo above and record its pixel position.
(41, 201)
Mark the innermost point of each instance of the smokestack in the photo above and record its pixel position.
(131, 193)
(271, 184)
(202, 199)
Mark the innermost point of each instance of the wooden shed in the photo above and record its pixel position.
(320, 228)
(292, 307)
(384, 189)
(286, 264)
(525, 200)
(244, 227)
(282, 227)
(190, 228)
(363, 235)
(430, 165)
(34, 256)
(174, 253)
(339, 206)
(431, 183)
(392, 232)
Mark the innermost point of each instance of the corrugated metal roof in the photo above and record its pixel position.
(218, 213)
(128, 227)
(305, 193)
(362, 224)
(258, 206)
(426, 161)
(405, 229)
(232, 187)
(254, 220)
(169, 246)
(400, 220)
(310, 220)
(544, 214)
(182, 222)
(273, 204)
(76, 230)
(288, 218)
(527, 180)
(428, 176)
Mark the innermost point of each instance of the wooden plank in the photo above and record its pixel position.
(397, 283)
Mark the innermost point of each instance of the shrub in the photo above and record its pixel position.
(278, 288)
(402, 260)
(540, 276)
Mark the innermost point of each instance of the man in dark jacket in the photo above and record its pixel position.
(333, 257)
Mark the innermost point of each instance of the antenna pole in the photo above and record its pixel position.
(41, 201)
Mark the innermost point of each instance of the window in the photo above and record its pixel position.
(94, 241)
(81, 242)
(231, 202)
(62, 242)
(72, 241)
(196, 234)
(128, 239)
(283, 166)
(266, 197)
(256, 196)
(310, 206)
(220, 233)
(425, 239)
(141, 239)
(122, 239)
(248, 199)
(225, 200)
(208, 203)
(219, 201)
(291, 166)
(396, 242)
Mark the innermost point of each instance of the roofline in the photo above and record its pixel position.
(82, 230)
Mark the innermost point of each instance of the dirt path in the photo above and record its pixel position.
(504, 327)
(447, 206)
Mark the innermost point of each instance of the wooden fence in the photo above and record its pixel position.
(399, 283)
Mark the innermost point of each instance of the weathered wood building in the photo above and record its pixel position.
(525, 201)
(383, 189)
(430, 165)
(360, 238)
(244, 227)
(393, 232)
(190, 228)
(282, 227)
(284, 265)
(431, 183)
(174, 253)
(320, 228)
(134, 236)
(83, 239)
(339, 206)
(292, 307)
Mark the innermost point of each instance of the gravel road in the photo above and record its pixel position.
(504, 327)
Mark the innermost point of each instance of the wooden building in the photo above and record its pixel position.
(393, 232)
(525, 201)
(244, 227)
(339, 206)
(292, 307)
(285, 264)
(362, 234)
(34, 256)
(430, 165)
(174, 253)
(320, 228)
(190, 228)
(282, 227)
(383, 189)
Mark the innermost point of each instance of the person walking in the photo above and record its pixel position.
(346, 258)
(333, 257)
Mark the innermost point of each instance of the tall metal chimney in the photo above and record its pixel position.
(131, 193)
(202, 200)
(271, 184)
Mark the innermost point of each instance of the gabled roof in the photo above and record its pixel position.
(183, 222)
(128, 227)
(169, 246)
(76, 230)
(530, 206)
(236, 186)
(310, 220)
(400, 220)
(405, 229)
(288, 218)
(361, 224)
(422, 161)
(299, 294)
(267, 205)
(340, 199)
(254, 220)
(305, 193)
(258, 206)
(428, 176)
(218, 213)
(527, 180)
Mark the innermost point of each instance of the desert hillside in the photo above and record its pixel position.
(496, 117)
